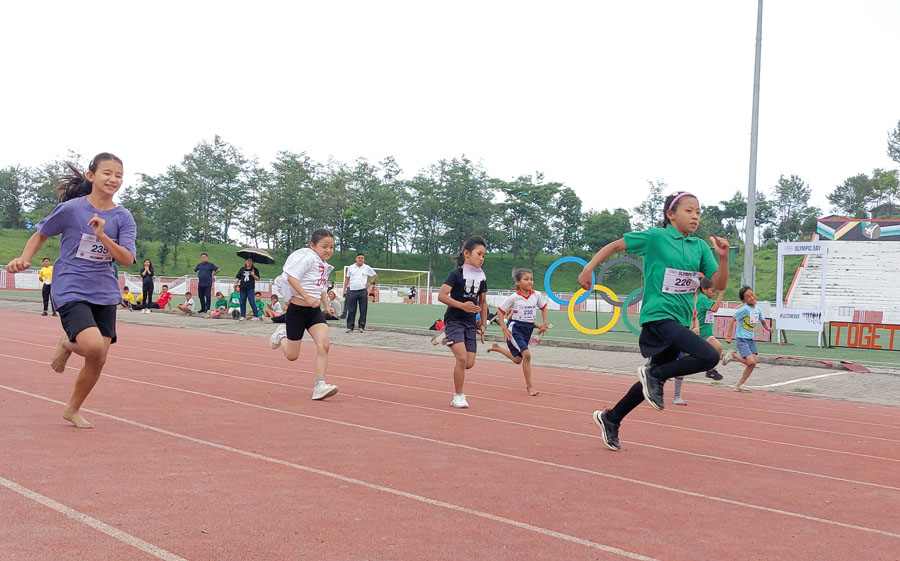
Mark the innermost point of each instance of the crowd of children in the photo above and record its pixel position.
(684, 281)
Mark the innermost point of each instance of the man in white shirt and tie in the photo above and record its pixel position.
(357, 278)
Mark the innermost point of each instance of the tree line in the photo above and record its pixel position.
(217, 194)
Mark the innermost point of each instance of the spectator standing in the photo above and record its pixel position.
(46, 277)
(247, 277)
(147, 282)
(205, 272)
(356, 288)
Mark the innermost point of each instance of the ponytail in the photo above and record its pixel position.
(74, 184)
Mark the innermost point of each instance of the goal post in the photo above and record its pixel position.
(393, 285)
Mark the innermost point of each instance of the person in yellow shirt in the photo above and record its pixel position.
(127, 299)
(46, 276)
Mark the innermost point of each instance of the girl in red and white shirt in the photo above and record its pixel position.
(303, 284)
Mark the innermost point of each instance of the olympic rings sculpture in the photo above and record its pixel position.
(605, 292)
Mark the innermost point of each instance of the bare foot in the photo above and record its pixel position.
(494, 347)
(76, 419)
(532, 391)
(60, 356)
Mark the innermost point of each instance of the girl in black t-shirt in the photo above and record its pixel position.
(464, 292)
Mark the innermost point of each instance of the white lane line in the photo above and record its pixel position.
(90, 521)
(353, 480)
(443, 443)
(531, 405)
(728, 405)
(577, 412)
(794, 381)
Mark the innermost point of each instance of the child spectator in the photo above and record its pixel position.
(127, 299)
(273, 308)
(162, 303)
(188, 307)
(234, 301)
(747, 318)
(221, 306)
(521, 308)
(260, 305)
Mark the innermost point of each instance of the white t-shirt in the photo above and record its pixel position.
(359, 276)
(306, 266)
(518, 308)
(276, 307)
(190, 304)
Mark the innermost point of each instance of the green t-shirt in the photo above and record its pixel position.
(704, 303)
(221, 303)
(671, 262)
(260, 306)
(235, 300)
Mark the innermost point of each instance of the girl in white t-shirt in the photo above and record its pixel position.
(303, 284)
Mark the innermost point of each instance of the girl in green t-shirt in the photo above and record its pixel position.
(221, 306)
(673, 259)
(234, 302)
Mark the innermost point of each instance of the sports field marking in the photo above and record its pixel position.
(455, 445)
(89, 521)
(443, 368)
(358, 367)
(578, 412)
(346, 479)
(794, 381)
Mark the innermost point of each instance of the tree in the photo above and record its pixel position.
(425, 212)
(526, 213)
(566, 220)
(649, 214)
(734, 213)
(853, 196)
(790, 204)
(893, 150)
(284, 203)
(13, 187)
(604, 227)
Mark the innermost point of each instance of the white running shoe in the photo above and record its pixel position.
(439, 338)
(459, 401)
(322, 391)
(728, 356)
(275, 339)
(678, 401)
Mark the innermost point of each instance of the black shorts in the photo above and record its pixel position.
(462, 332)
(298, 319)
(78, 316)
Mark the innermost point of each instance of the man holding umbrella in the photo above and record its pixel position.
(205, 272)
(248, 275)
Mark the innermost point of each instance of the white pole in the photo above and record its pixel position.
(754, 133)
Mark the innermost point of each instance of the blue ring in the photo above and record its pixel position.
(549, 273)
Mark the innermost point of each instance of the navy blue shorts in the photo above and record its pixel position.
(521, 335)
(461, 332)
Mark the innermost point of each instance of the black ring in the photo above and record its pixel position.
(610, 263)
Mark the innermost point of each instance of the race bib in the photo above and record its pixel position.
(754, 317)
(528, 314)
(92, 249)
(709, 318)
(677, 281)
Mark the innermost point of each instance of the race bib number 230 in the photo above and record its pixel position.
(92, 249)
(677, 281)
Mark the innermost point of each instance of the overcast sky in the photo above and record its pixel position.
(599, 95)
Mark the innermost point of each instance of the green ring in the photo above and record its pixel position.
(625, 305)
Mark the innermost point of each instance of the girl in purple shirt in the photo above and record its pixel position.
(94, 231)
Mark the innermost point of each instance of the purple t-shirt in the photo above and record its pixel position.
(84, 271)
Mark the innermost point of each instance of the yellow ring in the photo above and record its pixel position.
(616, 311)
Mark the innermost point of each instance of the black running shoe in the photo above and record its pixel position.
(608, 430)
(652, 387)
(713, 374)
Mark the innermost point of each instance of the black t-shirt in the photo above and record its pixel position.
(247, 280)
(466, 284)
(146, 278)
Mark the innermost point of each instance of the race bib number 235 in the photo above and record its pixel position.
(92, 249)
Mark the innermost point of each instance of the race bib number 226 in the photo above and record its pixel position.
(677, 281)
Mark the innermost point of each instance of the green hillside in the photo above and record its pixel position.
(498, 267)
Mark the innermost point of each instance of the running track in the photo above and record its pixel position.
(207, 447)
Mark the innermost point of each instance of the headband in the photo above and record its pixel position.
(678, 196)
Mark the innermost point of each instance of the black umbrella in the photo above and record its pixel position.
(257, 255)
